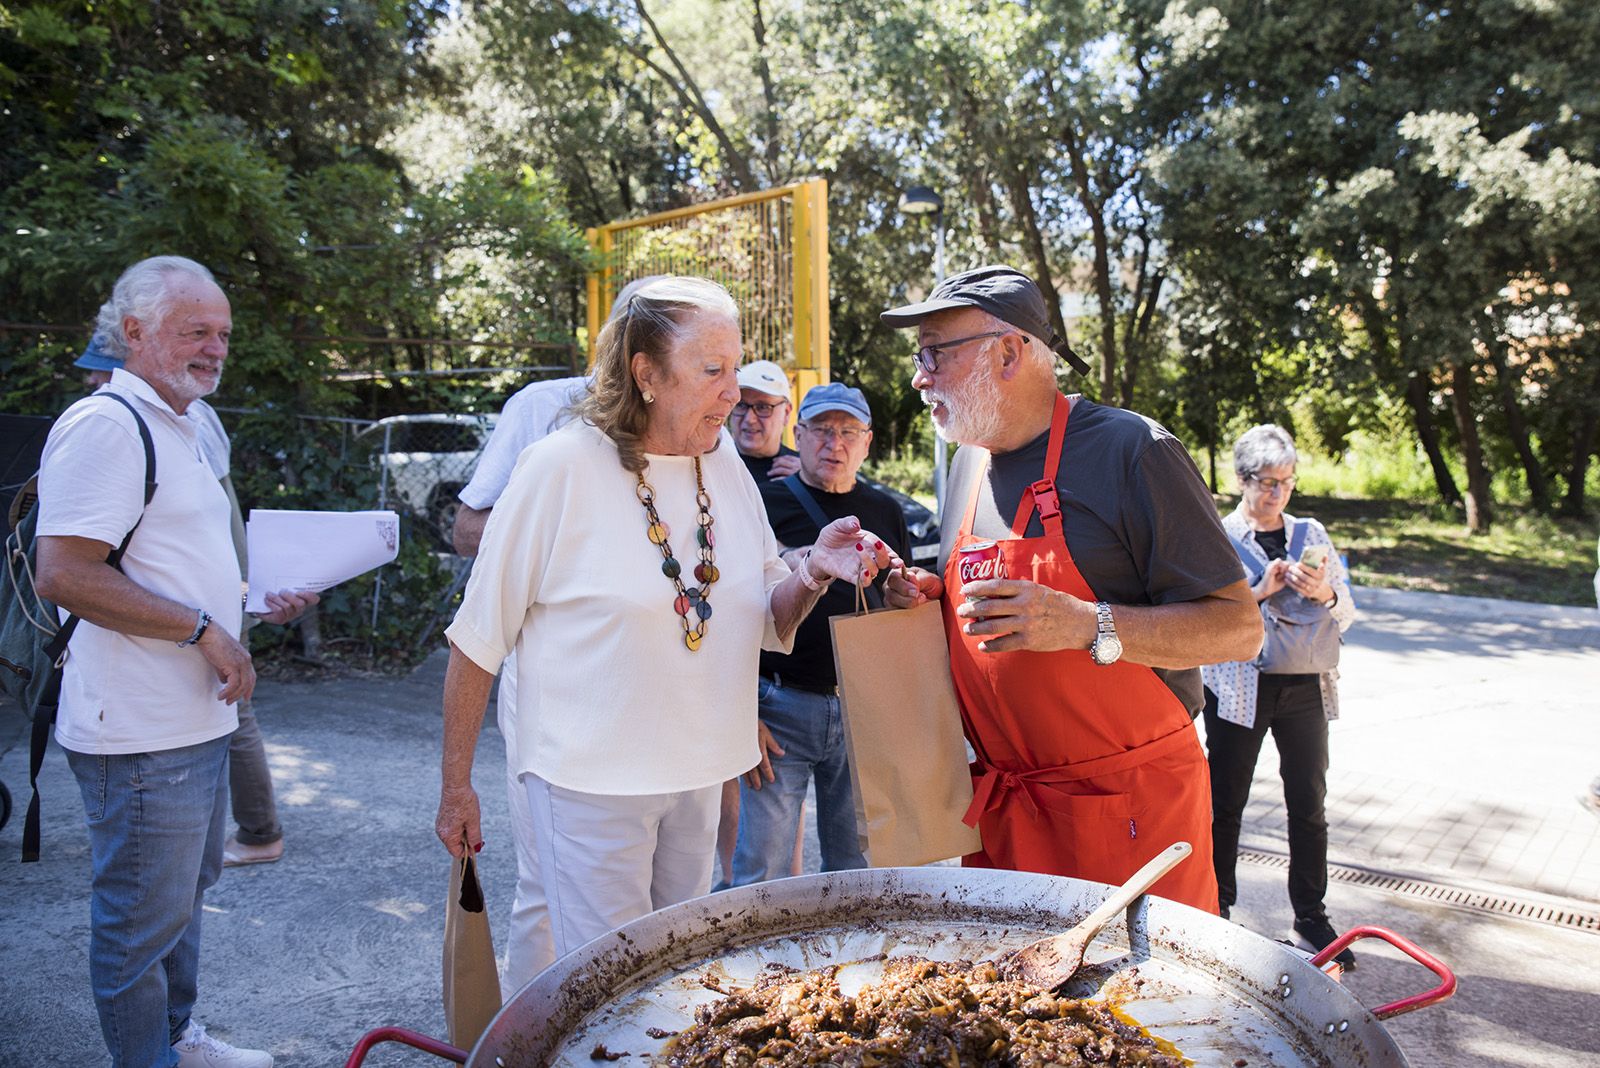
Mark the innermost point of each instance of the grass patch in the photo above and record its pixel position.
(1412, 545)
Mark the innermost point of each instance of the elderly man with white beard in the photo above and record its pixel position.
(155, 666)
(1076, 666)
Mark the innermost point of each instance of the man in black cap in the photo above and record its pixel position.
(1076, 661)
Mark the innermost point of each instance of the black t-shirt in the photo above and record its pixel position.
(810, 666)
(1137, 517)
(760, 466)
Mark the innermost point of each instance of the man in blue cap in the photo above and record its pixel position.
(802, 730)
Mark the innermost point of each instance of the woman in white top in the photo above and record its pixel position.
(1243, 703)
(600, 567)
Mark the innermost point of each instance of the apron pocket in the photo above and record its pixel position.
(1096, 836)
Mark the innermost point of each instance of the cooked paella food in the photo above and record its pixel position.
(922, 1012)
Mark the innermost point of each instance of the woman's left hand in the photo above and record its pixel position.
(1310, 582)
(845, 551)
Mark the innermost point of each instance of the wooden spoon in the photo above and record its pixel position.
(1049, 962)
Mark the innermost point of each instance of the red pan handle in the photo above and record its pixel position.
(1447, 978)
(409, 1038)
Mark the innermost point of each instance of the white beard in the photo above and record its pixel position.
(972, 410)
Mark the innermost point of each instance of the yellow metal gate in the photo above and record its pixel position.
(770, 249)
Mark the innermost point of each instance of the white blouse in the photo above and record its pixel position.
(609, 699)
(1234, 682)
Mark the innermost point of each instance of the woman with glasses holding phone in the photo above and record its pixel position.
(1292, 559)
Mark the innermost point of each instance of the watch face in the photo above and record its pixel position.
(1107, 649)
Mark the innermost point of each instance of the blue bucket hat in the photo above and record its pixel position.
(96, 358)
(835, 397)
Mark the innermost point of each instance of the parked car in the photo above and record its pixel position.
(922, 524)
(426, 460)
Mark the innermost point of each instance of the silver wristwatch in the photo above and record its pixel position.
(1107, 647)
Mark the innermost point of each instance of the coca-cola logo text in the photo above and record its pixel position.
(980, 568)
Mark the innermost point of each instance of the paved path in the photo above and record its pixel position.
(1469, 731)
(1457, 713)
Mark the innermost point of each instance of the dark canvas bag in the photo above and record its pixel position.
(33, 646)
(1301, 637)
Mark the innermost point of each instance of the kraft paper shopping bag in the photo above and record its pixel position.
(908, 759)
(471, 981)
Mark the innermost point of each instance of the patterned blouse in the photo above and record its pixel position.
(1234, 682)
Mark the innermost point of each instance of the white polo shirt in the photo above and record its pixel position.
(119, 693)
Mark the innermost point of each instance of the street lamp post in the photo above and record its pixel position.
(922, 200)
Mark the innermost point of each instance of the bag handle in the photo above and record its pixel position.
(814, 511)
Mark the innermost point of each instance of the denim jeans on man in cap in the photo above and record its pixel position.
(810, 729)
(156, 827)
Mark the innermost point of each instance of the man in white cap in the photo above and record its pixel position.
(758, 420)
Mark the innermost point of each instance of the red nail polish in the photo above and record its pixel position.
(478, 848)
(858, 546)
(880, 544)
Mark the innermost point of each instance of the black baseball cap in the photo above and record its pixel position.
(1005, 293)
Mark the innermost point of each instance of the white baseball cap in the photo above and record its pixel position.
(764, 376)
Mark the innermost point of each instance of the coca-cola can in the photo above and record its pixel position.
(980, 560)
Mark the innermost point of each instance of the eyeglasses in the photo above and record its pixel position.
(762, 409)
(1271, 484)
(848, 435)
(927, 357)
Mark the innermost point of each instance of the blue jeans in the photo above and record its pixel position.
(809, 728)
(156, 827)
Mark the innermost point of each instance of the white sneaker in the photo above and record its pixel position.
(196, 1049)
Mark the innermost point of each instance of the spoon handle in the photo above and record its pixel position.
(1121, 897)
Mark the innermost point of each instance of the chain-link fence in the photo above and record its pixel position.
(415, 465)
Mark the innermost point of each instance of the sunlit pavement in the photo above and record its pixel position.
(1470, 729)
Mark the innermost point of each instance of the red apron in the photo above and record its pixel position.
(1082, 770)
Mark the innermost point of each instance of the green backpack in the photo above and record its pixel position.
(33, 645)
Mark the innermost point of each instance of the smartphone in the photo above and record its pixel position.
(1314, 556)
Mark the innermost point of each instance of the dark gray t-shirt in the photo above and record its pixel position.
(1140, 524)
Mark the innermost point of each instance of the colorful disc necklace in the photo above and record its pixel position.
(692, 602)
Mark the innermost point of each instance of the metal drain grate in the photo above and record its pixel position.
(1557, 915)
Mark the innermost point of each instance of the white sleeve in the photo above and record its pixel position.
(91, 476)
(510, 567)
(514, 431)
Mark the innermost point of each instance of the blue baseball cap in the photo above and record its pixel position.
(835, 397)
(96, 358)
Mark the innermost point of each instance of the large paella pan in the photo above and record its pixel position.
(1222, 995)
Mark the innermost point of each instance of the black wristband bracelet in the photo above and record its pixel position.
(199, 630)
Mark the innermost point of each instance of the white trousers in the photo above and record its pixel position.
(612, 859)
(529, 948)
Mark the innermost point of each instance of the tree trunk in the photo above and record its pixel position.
(1033, 239)
(981, 192)
(1479, 505)
(1420, 399)
(1517, 427)
(769, 95)
(1094, 208)
(1583, 443)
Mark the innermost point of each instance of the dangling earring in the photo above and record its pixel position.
(649, 398)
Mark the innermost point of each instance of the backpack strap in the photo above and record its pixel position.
(1252, 566)
(820, 518)
(1297, 540)
(44, 713)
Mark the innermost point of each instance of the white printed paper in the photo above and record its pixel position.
(311, 551)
